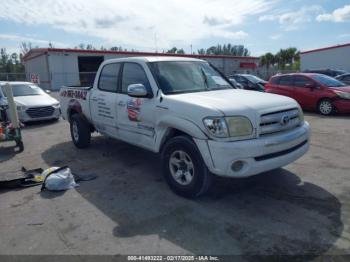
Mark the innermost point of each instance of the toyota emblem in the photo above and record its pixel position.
(285, 120)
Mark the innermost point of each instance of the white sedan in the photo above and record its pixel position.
(33, 104)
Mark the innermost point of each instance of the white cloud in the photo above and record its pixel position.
(275, 37)
(338, 15)
(293, 20)
(137, 23)
(344, 36)
(267, 18)
(19, 39)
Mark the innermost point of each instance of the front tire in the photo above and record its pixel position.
(80, 131)
(184, 169)
(326, 107)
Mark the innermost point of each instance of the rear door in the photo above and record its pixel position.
(307, 97)
(284, 86)
(136, 116)
(103, 100)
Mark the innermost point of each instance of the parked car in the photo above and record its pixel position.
(313, 91)
(33, 104)
(345, 78)
(235, 83)
(250, 82)
(328, 72)
(185, 110)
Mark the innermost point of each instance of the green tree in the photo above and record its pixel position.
(226, 49)
(175, 50)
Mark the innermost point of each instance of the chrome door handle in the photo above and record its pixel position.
(121, 103)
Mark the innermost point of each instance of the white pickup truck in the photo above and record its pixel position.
(187, 111)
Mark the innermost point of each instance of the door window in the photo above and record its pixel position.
(109, 78)
(133, 74)
(301, 81)
(286, 81)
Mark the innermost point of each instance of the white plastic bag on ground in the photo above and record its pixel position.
(58, 179)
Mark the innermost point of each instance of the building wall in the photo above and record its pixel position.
(336, 58)
(63, 69)
(39, 66)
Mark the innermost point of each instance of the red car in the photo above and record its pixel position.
(312, 91)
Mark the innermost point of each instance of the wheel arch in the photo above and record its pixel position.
(172, 127)
(74, 107)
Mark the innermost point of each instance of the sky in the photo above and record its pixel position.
(156, 25)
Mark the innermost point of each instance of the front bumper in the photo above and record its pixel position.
(342, 105)
(257, 155)
(24, 117)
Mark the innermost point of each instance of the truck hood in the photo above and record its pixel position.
(230, 102)
(35, 101)
(237, 101)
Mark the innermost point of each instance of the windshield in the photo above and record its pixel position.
(25, 90)
(254, 79)
(327, 81)
(176, 77)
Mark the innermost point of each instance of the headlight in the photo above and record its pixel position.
(57, 105)
(235, 126)
(216, 126)
(343, 95)
(239, 126)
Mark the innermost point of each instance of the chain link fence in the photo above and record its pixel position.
(13, 77)
(267, 73)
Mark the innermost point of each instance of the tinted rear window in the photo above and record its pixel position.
(286, 81)
(275, 80)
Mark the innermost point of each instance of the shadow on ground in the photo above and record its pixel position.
(272, 214)
(7, 151)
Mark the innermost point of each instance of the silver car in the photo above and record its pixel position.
(33, 104)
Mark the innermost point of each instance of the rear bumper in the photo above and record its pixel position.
(342, 105)
(256, 156)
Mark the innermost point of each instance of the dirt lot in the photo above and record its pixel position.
(303, 208)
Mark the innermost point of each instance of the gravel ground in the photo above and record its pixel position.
(301, 209)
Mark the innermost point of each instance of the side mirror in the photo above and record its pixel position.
(47, 91)
(137, 90)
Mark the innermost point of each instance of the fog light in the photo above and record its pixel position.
(237, 166)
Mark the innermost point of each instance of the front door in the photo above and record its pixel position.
(306, 96)
(135, 115)
(103, 100)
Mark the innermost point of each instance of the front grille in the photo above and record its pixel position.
(279, 121)
(38, 112)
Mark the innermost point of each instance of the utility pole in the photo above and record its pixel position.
(155, 41)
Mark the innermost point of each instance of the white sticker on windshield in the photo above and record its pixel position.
(219, 80)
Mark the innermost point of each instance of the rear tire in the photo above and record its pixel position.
(184, 169)
(80, 131)
(326, 107)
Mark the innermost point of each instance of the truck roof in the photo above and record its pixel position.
(154, 59)
(15, 82)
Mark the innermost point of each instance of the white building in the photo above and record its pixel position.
(332, 57)
(56, 67)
